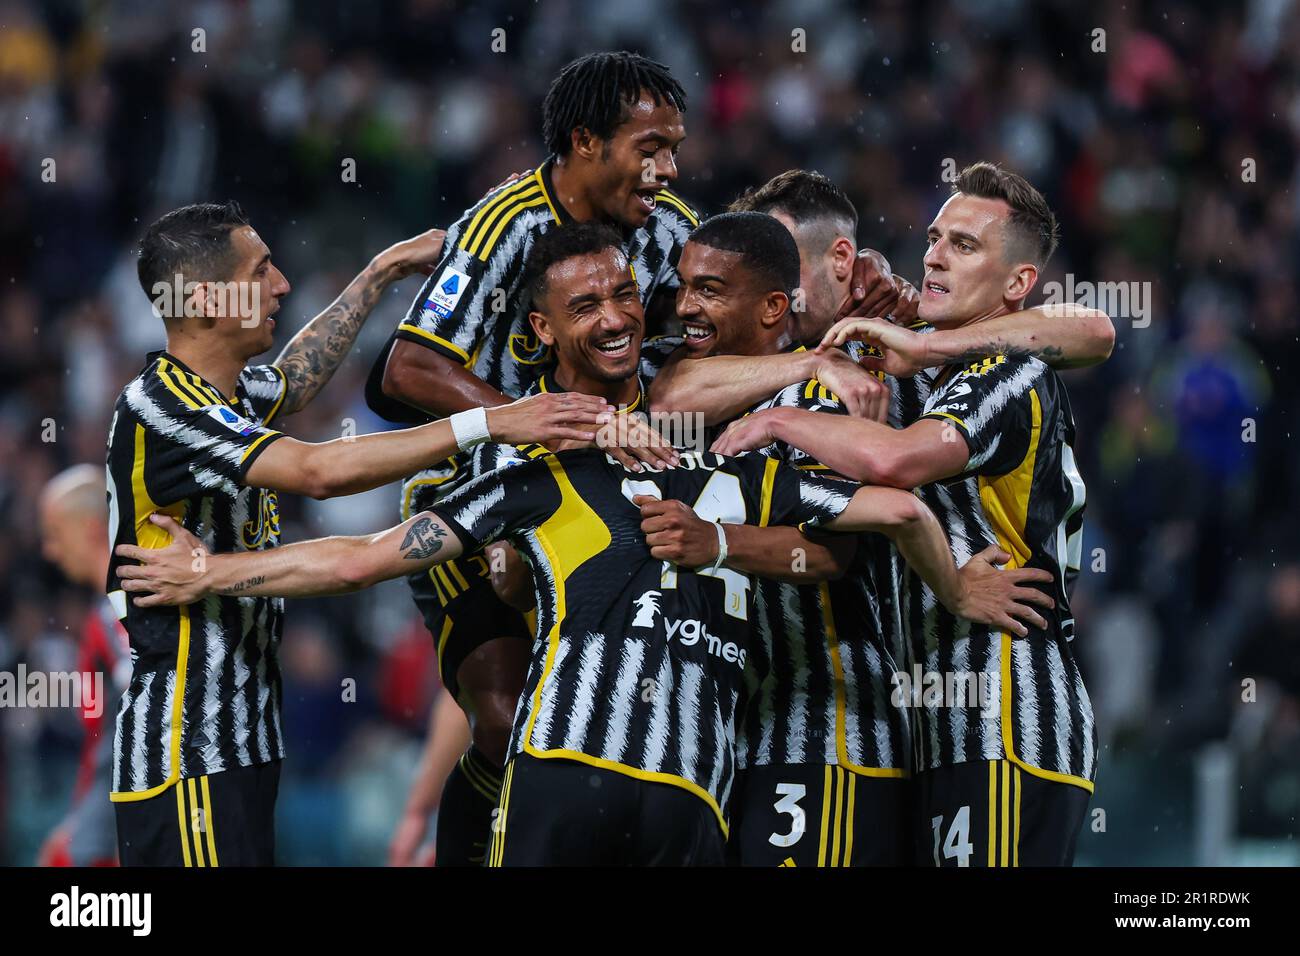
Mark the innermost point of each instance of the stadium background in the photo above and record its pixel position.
(1139, 148)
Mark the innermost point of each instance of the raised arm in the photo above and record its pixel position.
(312, 355)
(979, 592)
(1063, 336)
(184, 571)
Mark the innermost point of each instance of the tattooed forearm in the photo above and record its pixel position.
(312, 356)
(243, 585)
(424, 539)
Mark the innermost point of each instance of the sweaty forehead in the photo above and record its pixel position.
(972, 214)
(645, 119)
(247, 244)
(597, 273)
(700, 260)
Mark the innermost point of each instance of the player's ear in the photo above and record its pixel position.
(585, 143)
(1020, 282)
(776, 305)
(203, 301)
(843, 254)
(542, 328)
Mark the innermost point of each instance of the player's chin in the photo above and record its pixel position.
(931, 311)
(618, 369)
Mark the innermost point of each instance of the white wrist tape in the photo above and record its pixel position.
(722, 546)
(470, 428)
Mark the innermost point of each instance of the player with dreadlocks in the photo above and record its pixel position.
(613, 125)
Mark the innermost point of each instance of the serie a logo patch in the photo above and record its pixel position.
(446, 292)
(231, 419)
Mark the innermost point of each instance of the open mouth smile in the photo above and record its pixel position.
(615, 348)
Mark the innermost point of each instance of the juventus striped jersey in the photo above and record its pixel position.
(1021, 489)
(472, 308)
(204, 694)
(831, 649)
(638, 664)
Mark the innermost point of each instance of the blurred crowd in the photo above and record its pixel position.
(1167, 143)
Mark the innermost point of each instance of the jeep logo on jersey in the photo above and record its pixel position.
(687, 632)
(446, 292)
(646, 606)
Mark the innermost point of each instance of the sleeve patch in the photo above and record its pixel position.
(231, 419)
(446, 292)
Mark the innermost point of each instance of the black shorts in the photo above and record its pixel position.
(220, 819)
(463, 612)
(819, 815)
(559, 812)
(994, 813)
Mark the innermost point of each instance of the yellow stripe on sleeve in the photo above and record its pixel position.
(253, 447)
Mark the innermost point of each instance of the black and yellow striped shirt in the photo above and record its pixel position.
(472, 308)
(205, 692)
(638, 664)
(1022, 490)
(832, 648)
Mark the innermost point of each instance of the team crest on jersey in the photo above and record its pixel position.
(266, 527)
(529, 349)
(231, 419)
(451, 285)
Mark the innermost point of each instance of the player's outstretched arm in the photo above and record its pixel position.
(184, 571)
(346, 466)
(863, 450)
(313, 355)
(676, 533)
(1063, 335)
(724, 386)
(979, 592)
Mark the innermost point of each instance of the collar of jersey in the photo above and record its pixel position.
(164, 354)
(634, 243)
(548, 187)
(546, 384)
